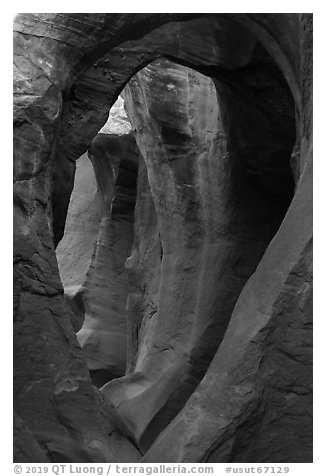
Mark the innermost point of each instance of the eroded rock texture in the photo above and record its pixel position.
(96, 243)
(216, 216)
(103, 335)
(202, 295)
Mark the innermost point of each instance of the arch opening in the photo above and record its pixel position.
(216, 182)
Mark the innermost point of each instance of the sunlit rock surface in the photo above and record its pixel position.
(118, 122)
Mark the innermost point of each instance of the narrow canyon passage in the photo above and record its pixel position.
(163, 239)
(92, 255)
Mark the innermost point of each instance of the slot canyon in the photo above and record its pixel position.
(163, 238)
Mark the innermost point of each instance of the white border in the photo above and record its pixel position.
(169, 6)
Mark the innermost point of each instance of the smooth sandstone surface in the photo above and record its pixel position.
(75, 250)
(103, 336)
(218, 285)
(96, 243)
(256, 394)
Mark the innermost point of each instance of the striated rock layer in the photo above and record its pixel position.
(254, 403)
(219, 343)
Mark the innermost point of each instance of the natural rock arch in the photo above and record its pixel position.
(51, 377)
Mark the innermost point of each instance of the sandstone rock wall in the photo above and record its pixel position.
(255, 399)
(96, 243)
(75, 250)
(218, 208)
(103, 336)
